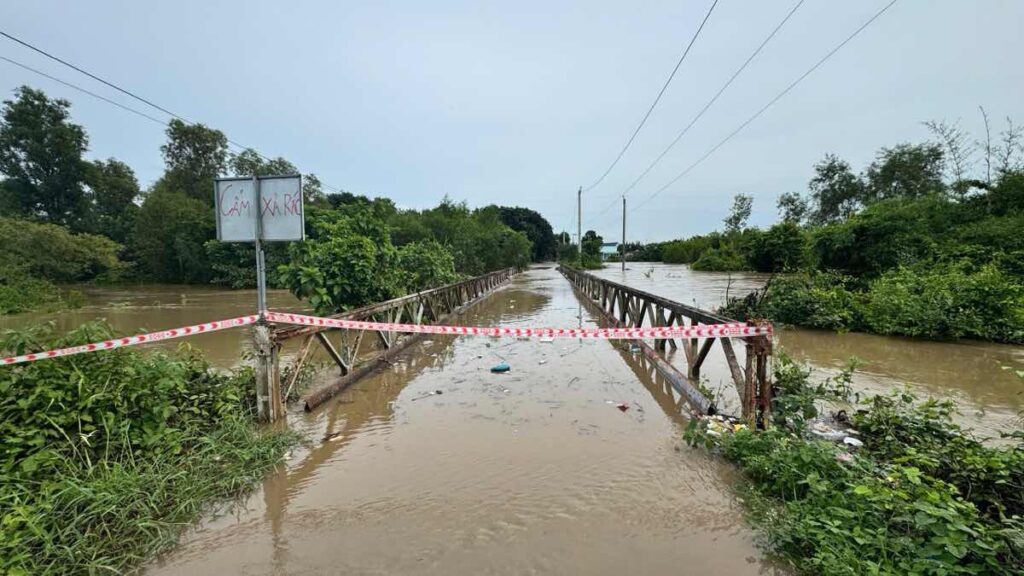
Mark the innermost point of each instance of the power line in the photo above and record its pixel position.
(123, 91)
(93, 76)
(706, 106)
(715, 97)
(658, 98)
(83, 90)
(766, 106)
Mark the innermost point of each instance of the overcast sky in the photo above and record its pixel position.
(519, 103)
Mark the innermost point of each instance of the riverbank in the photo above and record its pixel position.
(905, 491)
(944, 302)
(978, 376)
(105, 458)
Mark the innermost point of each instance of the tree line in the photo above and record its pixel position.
(71, 219)
(925, 241)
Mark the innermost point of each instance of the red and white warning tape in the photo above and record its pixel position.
(134, 340)
(700, 331)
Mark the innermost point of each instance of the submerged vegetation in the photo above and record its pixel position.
(106, 458)
(919, 496)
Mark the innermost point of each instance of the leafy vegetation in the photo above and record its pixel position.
(911, 246)
(921, 496)
(73, 220)
(105, 458)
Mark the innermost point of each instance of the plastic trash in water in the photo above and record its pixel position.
(500, 368)
(622, 406)
(542, 362)
(851, 441)
(547, 339)
(428, 394)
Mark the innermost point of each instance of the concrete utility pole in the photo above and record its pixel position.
(623, 232)
(579, 224)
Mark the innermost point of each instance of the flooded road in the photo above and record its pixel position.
(972, 374)
(533, 471)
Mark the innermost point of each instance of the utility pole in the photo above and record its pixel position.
(579, 225)
(623, 232)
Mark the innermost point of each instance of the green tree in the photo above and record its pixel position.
(906, 171)
(41, 155)
(793, 207)
(782, 248)
(425, 265)
(836, 192)
(195, 155)
(249, 162)
(113, 191)
(742, 206)
(592, 244)
(536, 227)
(348, 261)
(170, 232)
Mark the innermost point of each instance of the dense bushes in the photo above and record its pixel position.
(60, 212)
(350, 259)
(920, 497)
(104, 458)
(36, 256)
(947, 301)
(53, 253)
(938, 301)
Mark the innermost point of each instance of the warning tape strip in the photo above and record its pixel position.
(737, 329)
(733, 330)
(135, 340)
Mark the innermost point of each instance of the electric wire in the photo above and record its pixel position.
(123, 91)
(706, 106)
(83, 90)
(766, 106)
(657, 99)
(715, 97)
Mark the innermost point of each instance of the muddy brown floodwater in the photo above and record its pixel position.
(533, 471)
(980, 377)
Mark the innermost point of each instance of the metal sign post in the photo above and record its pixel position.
(261, 209)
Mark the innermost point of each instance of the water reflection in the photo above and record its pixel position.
(531, 471)
(971, 373)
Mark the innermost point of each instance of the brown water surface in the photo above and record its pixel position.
(533, 471)
(980, 377)
(140, 308)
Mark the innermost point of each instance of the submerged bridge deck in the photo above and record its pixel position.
(618, 305)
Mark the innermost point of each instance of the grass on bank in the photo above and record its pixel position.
(106, 458)
(922, 496)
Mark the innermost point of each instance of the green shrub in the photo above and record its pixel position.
(947, 301)
(782, 248)
(19, 293)
(723, 259)
(425, 265)
(53, 253)
(817, 300)
(106, 457)
(920, 497)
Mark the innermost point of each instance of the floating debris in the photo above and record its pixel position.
(547, 339)
(428, 395)
(501, 368)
